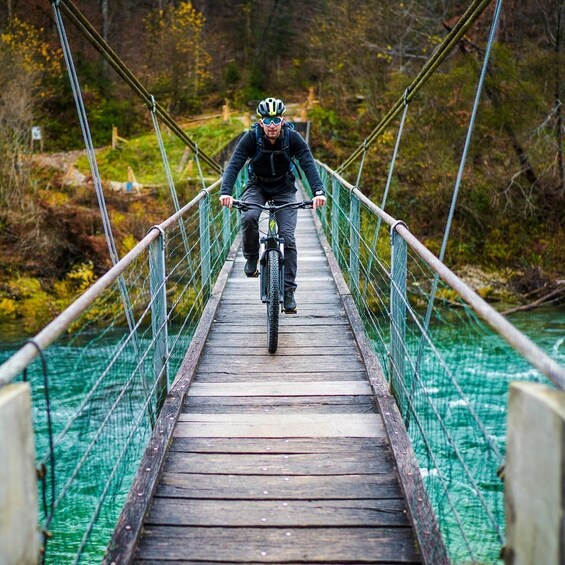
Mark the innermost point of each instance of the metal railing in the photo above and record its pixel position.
(98, 381)
(448, 357)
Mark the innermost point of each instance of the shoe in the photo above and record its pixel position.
(250, 268)
(289, 302)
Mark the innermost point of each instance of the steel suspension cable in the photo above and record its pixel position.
(388, 181)
(96, 40)
(433, 291)
(81, 110)
(457, 32)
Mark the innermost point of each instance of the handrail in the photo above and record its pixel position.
(536, 356)
(28, 352)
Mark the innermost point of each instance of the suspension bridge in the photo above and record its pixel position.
(379, 432)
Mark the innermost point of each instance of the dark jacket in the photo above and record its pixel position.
(272, 170)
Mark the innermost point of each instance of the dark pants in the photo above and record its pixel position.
(286, 220)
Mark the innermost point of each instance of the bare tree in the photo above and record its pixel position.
(16, 114)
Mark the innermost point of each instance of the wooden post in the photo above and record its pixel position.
(226, 112)
(116, 138)
(183, 160)
(534, 476)
(311, 98)
(19, 530)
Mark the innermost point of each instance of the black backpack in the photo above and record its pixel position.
(287, 129)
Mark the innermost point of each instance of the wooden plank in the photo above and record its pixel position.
(291, 405)
(291, 545)
(302, 315)
(278, 464)
(230, 364)
(290, 349)
(278, 425)
(279, 487)
(323, 447)
(190, 562)
(218, 376)
(260, 328)
(281, 388)
(253, 307)
(298, 340)
(292, 513)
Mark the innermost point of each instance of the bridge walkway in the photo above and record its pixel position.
(279, 458)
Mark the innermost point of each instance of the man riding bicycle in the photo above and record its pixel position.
(271, 146)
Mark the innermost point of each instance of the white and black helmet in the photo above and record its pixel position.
(271, 107)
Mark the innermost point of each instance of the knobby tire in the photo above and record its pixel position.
(273, 300)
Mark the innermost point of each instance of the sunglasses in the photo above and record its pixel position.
(274, 121)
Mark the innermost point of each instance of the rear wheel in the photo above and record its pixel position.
(273, 300)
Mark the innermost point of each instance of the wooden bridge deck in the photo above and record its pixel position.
(279, 458)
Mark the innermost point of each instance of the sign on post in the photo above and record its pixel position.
(36, 135)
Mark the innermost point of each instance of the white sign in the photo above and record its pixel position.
(36, 133)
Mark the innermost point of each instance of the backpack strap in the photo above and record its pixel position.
(287, 129)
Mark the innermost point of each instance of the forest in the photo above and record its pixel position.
(355, 58)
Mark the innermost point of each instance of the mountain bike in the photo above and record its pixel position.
(271, 264)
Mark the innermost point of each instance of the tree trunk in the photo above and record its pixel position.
(527, 168)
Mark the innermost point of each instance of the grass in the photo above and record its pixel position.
(142, 154)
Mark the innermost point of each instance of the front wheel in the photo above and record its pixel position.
(273, 300)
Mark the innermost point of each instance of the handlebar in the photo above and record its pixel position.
(271, 206)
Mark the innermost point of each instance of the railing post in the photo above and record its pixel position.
(354, 227)
(19, 534)
(226, 228)
(159, 320)
(398, 275)
(335, 216)
(204, 215)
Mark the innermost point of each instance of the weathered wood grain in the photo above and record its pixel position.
(278, 425)
(219, 376)
(323, 447)
(227, 363)
(279, 487)
(281, 388)
(295, 336)
(290, 405)
(290, 349)
(287, 513)
(291, 545)
(277, 464)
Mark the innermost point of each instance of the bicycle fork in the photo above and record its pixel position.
(271, 245)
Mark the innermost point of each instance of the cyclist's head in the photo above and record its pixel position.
(271, 107)
(271, 111)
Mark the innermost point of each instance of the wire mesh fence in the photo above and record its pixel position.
(448, 370)
(102, 373)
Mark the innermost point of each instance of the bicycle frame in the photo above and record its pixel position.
(271, 240)
(271, 265)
